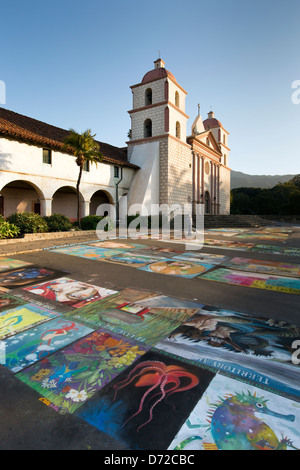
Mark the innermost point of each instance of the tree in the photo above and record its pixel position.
(282, 199)
(85, 148)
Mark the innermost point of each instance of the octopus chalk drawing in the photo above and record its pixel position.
(161, 380)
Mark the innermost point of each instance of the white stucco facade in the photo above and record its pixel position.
(22, 162)
(144, 187)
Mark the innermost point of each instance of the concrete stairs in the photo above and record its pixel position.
(234, 220)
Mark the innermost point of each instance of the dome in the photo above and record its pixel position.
(156, 74)
(211, 122)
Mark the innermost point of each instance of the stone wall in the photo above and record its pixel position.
(224, 190)
(157, 116)
(175, 172)
(139, 91)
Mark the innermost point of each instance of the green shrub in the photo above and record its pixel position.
(130, 218)
(28, 222)
(8, 230)
(90, 222)
(58, 223)
(146, 220)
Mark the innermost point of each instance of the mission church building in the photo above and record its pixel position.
(160, 165)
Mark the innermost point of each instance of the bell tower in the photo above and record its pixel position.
(158, 106)
(220, 134)
(158, 136)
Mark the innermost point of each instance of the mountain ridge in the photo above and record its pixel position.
(240, 180)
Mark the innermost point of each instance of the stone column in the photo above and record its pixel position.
(215, 188)
(194, 180)
(46, 207)
(218, 190)
(85, 208)
(211, 187)
(202, 179)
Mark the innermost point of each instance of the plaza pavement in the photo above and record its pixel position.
(26, 423)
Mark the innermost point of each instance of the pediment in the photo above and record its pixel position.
(208, 139)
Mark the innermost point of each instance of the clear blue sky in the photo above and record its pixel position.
(71, 62)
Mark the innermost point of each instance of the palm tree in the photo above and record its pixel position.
(85, 148)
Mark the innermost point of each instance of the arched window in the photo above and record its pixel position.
(148, 97)
(224, 139)
(178, 130)
(225, 160)
(148, 128)
(177, 99)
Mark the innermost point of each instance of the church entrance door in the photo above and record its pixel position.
(207, 202)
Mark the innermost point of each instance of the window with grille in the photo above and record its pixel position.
(47, 156)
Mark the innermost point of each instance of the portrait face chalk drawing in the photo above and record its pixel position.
(27, 276)
(70, 292)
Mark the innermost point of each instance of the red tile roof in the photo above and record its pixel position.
(29, 130)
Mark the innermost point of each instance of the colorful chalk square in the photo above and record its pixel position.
(254, 349)
(232, 415)
(264, 266)
(22, 318)
(222, 233)
(158, 252)
(147, 403)
(145, 316)
(210, 258)
(30, 346)
(7, 264)
(179, 267)
(287, 285)
(9, 301)
(70, 292)
(114, 245)
(71, 376)
(226, 230)
(228, 244)
(131, 259)
(85, 251)
(276, 230)
(276, 250)
(23, 277)
(263, 236)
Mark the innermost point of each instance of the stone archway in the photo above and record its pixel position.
(98, 198)
(20, 196)
(65, 202)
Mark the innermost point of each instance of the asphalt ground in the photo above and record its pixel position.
(26, 423)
